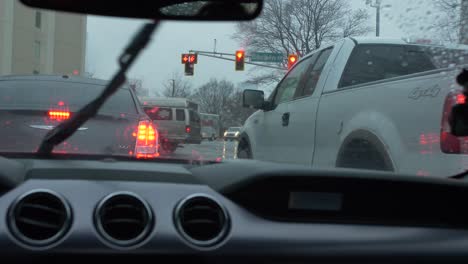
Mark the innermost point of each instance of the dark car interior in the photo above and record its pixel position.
(237, 210)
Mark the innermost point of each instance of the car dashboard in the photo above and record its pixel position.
(227, 212)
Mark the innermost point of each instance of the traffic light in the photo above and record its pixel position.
(189, 69)
(292, 59)
(240, 60)
(190, 58)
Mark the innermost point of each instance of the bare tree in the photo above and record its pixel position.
(447, 25)
(176, 86)
(300, 26)
(265, 79)
(222, 98)
(234, 113)
(137, 86)
(213, 96)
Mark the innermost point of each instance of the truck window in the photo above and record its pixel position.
(180, 114)
(160, 114)
(286, 90)
(315, 73)
(370, 63)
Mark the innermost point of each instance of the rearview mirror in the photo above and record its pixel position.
(253, 99)
(219, 10)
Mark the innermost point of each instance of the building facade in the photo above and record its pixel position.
(40, 42)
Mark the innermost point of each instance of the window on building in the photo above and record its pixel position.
(37, 50)
(38, 19)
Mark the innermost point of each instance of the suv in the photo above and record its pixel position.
(176, 119)
(31, 106)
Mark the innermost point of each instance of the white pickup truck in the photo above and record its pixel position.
(366, 103)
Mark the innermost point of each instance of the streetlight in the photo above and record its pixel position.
(377, 4)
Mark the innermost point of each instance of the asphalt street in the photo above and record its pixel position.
(207, 150)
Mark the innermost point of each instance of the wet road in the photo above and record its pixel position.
(207, 150)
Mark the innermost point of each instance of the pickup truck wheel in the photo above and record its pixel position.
(362, 154)
(243, 150)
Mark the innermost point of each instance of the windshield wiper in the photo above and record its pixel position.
(66, 129)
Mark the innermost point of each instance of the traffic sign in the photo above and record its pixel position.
(267, 57)
(189, 58)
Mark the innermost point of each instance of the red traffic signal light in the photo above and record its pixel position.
(292, 59)
(240, 60)
(189, 58)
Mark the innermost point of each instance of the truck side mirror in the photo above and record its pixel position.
(254, 99)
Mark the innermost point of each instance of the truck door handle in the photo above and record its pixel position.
(286, 119)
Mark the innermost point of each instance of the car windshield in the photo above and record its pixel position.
(327, 84)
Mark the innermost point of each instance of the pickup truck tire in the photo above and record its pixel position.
(364, 152)
(243, 149)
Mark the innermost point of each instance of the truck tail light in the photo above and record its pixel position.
(147, 141)
(449, 143)
(188, 129)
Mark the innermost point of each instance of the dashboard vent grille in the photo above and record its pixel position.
(40, 218)
(124, 219)
(202, 220)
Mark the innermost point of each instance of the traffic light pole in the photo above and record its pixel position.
(213, 55)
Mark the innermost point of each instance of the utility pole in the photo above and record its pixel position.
(173, 87)
(377, 4)
(377, 22)
(463, 22)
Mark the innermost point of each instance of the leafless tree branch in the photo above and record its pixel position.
(299, 26)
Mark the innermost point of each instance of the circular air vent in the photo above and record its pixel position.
(39, 218)
(124, 219)
(201, 220)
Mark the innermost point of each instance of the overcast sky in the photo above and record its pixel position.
(108, 36)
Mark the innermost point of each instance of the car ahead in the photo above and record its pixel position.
(232, 133)
(177, 120)
(366, 103)
(211, 126)
(31, 106)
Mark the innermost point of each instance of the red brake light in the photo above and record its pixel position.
(188, 129)
(59, 115)
(146, 141)
(449, 143)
